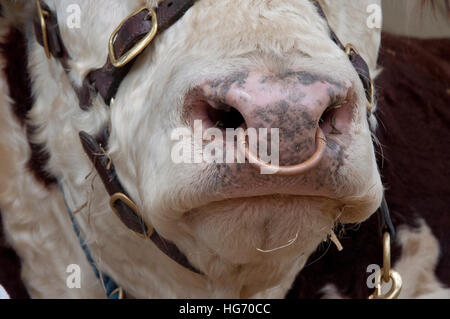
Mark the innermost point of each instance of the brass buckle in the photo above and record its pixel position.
(127, 201)
(42, 14)
(132, 53)
(387, 274)
(350, 50)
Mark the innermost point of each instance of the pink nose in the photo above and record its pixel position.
(299, 104)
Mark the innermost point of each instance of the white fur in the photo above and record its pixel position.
(3, 293)
(417, 265)
(214, 38)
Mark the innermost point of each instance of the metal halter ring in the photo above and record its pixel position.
(42, 14)
(386, 257)
(387, 274)
(127, 201)
(349, 50)
(132, 53)
(396, 286)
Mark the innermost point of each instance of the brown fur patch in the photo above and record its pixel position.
(14, 52)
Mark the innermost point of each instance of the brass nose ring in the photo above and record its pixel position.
(293, 170)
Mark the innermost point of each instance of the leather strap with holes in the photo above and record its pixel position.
(356, 59)
(106, 80)
(384, 217)
(95, 149)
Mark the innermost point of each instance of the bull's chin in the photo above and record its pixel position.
(263, 229)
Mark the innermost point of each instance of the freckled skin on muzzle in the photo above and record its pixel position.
(276, 208)
(297, 103)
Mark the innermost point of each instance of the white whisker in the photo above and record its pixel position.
(290, 243)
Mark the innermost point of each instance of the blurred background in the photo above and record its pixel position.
(416, 18)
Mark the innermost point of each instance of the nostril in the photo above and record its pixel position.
(211, 113)
(223, 116)
(336, 118)
(328, 121)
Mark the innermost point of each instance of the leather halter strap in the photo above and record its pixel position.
(130, 216)
(356, 59)
(106, 80)
(385, 223)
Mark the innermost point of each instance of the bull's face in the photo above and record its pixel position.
(231, 64)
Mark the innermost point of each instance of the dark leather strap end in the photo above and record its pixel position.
(363, 71)
(106, 170)
(384, 219)
(102, 163)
